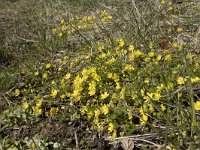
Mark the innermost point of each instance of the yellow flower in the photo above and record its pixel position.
(54, 30)
(162, 2)
(109, 75)
(122, 93)
(110, 127)
(54, 93)
(67, 76)
(144, 119)
(62, 96)
(137, 53)
(100, 46)
(59, 69)
(96, 112)
(179, 29)
(103, 55)
(150, 107)
(96, 76)
(170, 9)
(25, 105)
(53, 111)
(96, 121)
(92, 88)
(123, 51)
(68, 94)
(85, 73)
(109, 62)
(151, 54)
(36, 110)
(63, 27)
(175, 45)
(79, 26)
(163, 108)
(100, 127)
(121, 42)
(118, 86)
(147, 59)
(114, 134)
(78, 81)
(181, 80)
(39, 103)
(170, 86)
(17, 92)
(65, 58)
(92, 70)
(114, 96)
(115, 77)
(62, 82)
(157, 96)
(89, 114)
(62, 21)
(169, 30)
(133, 96)
(48, 66)
(141, 110)
(105, 109)
(195, 79)
(150, 45)
(130, 115)
(189, 56)
(160, 87)
(131, 57)
(131, 47)
(158, 58)
(128, 67)
(150, 95)
(53, 82)
(36, 73)
(60, 34)
(168, 57)
(142, 92)
(84, 109)
(89, 18)
(197, 105)
(146, 81)
(33, 146)
(104, 95)
(44, 76)
(109, 17)
(76, 94)
(169, 3)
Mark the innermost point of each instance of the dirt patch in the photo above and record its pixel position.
(68, 134)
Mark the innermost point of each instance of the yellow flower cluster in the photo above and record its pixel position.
(76, 23)
(119, 85)
(92, 88)
(135, 54)
(78, 81)
(37, 110)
